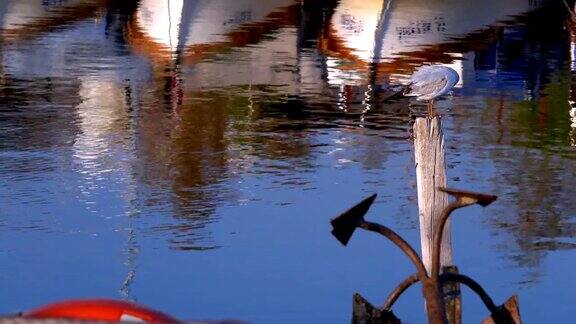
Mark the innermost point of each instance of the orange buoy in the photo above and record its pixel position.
(100, 309)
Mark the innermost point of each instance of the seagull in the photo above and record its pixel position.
(430, 82)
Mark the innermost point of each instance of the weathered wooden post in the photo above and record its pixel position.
(431, 174)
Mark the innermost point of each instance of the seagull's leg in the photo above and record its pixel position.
(431, 108)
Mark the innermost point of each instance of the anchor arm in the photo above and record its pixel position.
(463, 199)
(400, 242)
(399, 290)
(430, 288)
(474, 286)
(438, 233)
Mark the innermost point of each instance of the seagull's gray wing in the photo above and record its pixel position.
(425, 88)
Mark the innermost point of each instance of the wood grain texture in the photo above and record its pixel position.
(431, 174)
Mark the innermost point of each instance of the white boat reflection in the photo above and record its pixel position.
(28, 18)
(99, 149)
(103, 147)
(254, 40)
(164, 27)
(392, 33)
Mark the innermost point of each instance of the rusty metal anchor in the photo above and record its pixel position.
(344, 226)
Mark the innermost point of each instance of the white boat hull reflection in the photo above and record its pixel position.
(176, 25)
(254, 40)
(26, 18)
(389, 32)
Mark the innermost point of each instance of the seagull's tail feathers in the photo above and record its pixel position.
(407, 90)
(396, 92)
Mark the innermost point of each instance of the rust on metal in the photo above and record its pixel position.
(343, 229)
(436, 288)
(473, 285)
(399, 290)
(481, 199)
(509, 313)
(463, 199)
(400, 243)
(452, 297)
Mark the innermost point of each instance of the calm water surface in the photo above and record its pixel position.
(189, 155)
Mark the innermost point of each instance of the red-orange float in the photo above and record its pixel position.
(99, 310)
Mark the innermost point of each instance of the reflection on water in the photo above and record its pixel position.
(155, 123)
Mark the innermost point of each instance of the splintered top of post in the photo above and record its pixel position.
(473, 197)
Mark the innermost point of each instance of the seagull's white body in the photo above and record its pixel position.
(432, 81)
